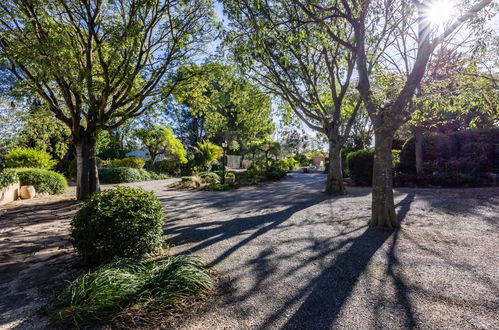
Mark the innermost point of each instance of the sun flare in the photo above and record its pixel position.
(440, 12)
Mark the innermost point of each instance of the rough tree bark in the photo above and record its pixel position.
(383, 207)
(334, 184)
(87, 177)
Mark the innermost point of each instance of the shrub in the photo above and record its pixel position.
(248, 178)
(132, 162)
(7, 178)
(191, 181)
(29, 158)
(230, 175)
(287, 164)
(275, 174)
(125, 222)
(218, 187)
(127, 174)
(209, 177)
(44, 181)
(169, 166)
(108, 289)
(438, 179)
(360, 166)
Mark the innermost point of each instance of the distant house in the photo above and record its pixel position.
(144, 154)
(318, 161)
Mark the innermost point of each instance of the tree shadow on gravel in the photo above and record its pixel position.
(328, 293)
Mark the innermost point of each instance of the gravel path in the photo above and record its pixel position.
(291, 257)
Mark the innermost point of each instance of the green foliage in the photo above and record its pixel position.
(287, 164)
(29, 157)
(303, 159)
(44, 181)
(124, 222)
(160, 140)
(225, 102)
(132, 162)
(209, 177)
(218, 187)
(467, 152)
(127, 174)
(230, 175)
(360, 166)
(43, 131)
(99, 293)
(169, 166)
(7, 178)
(205, 154)
(249, 177)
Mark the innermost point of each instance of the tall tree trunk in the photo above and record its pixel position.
(334, 184)
(383, 207)
(418, 140)
(87, 178)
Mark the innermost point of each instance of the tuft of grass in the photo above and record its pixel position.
(99, 293)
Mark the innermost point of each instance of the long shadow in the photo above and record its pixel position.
(327, 294)
(227, 229)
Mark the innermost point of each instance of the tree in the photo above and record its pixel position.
(274, 42)
(159, 140)
(266, 146)
(218, 105)
(393, 42)
(98, 63)
(41, 130)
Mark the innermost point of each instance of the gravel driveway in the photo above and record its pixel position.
(290, 257)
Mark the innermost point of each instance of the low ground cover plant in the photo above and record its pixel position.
(125, 222)
(29, 158)
(103, 291)
(44, 181)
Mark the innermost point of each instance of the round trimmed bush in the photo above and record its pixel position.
(44, 181)
(360, 166)
(125, 222)
(209, 177)
(29, 158)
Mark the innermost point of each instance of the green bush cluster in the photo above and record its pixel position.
(169, 166)
(29, 158)
(132, 162)
(275, 174)
(127, 174)
(125, 222)
(360, 166)
(218, 187)
(99, 293)
(7, 178)
(287, 164)
(44, 181)
(209, 177)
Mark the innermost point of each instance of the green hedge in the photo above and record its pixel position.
(360, 166)
(127, 174)
(132, 162)
(29, 158)
(44, 181)
(125, 222)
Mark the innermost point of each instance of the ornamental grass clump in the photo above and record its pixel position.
(124, 222)
(104, 291)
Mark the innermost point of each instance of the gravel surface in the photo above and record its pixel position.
(290, 257)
